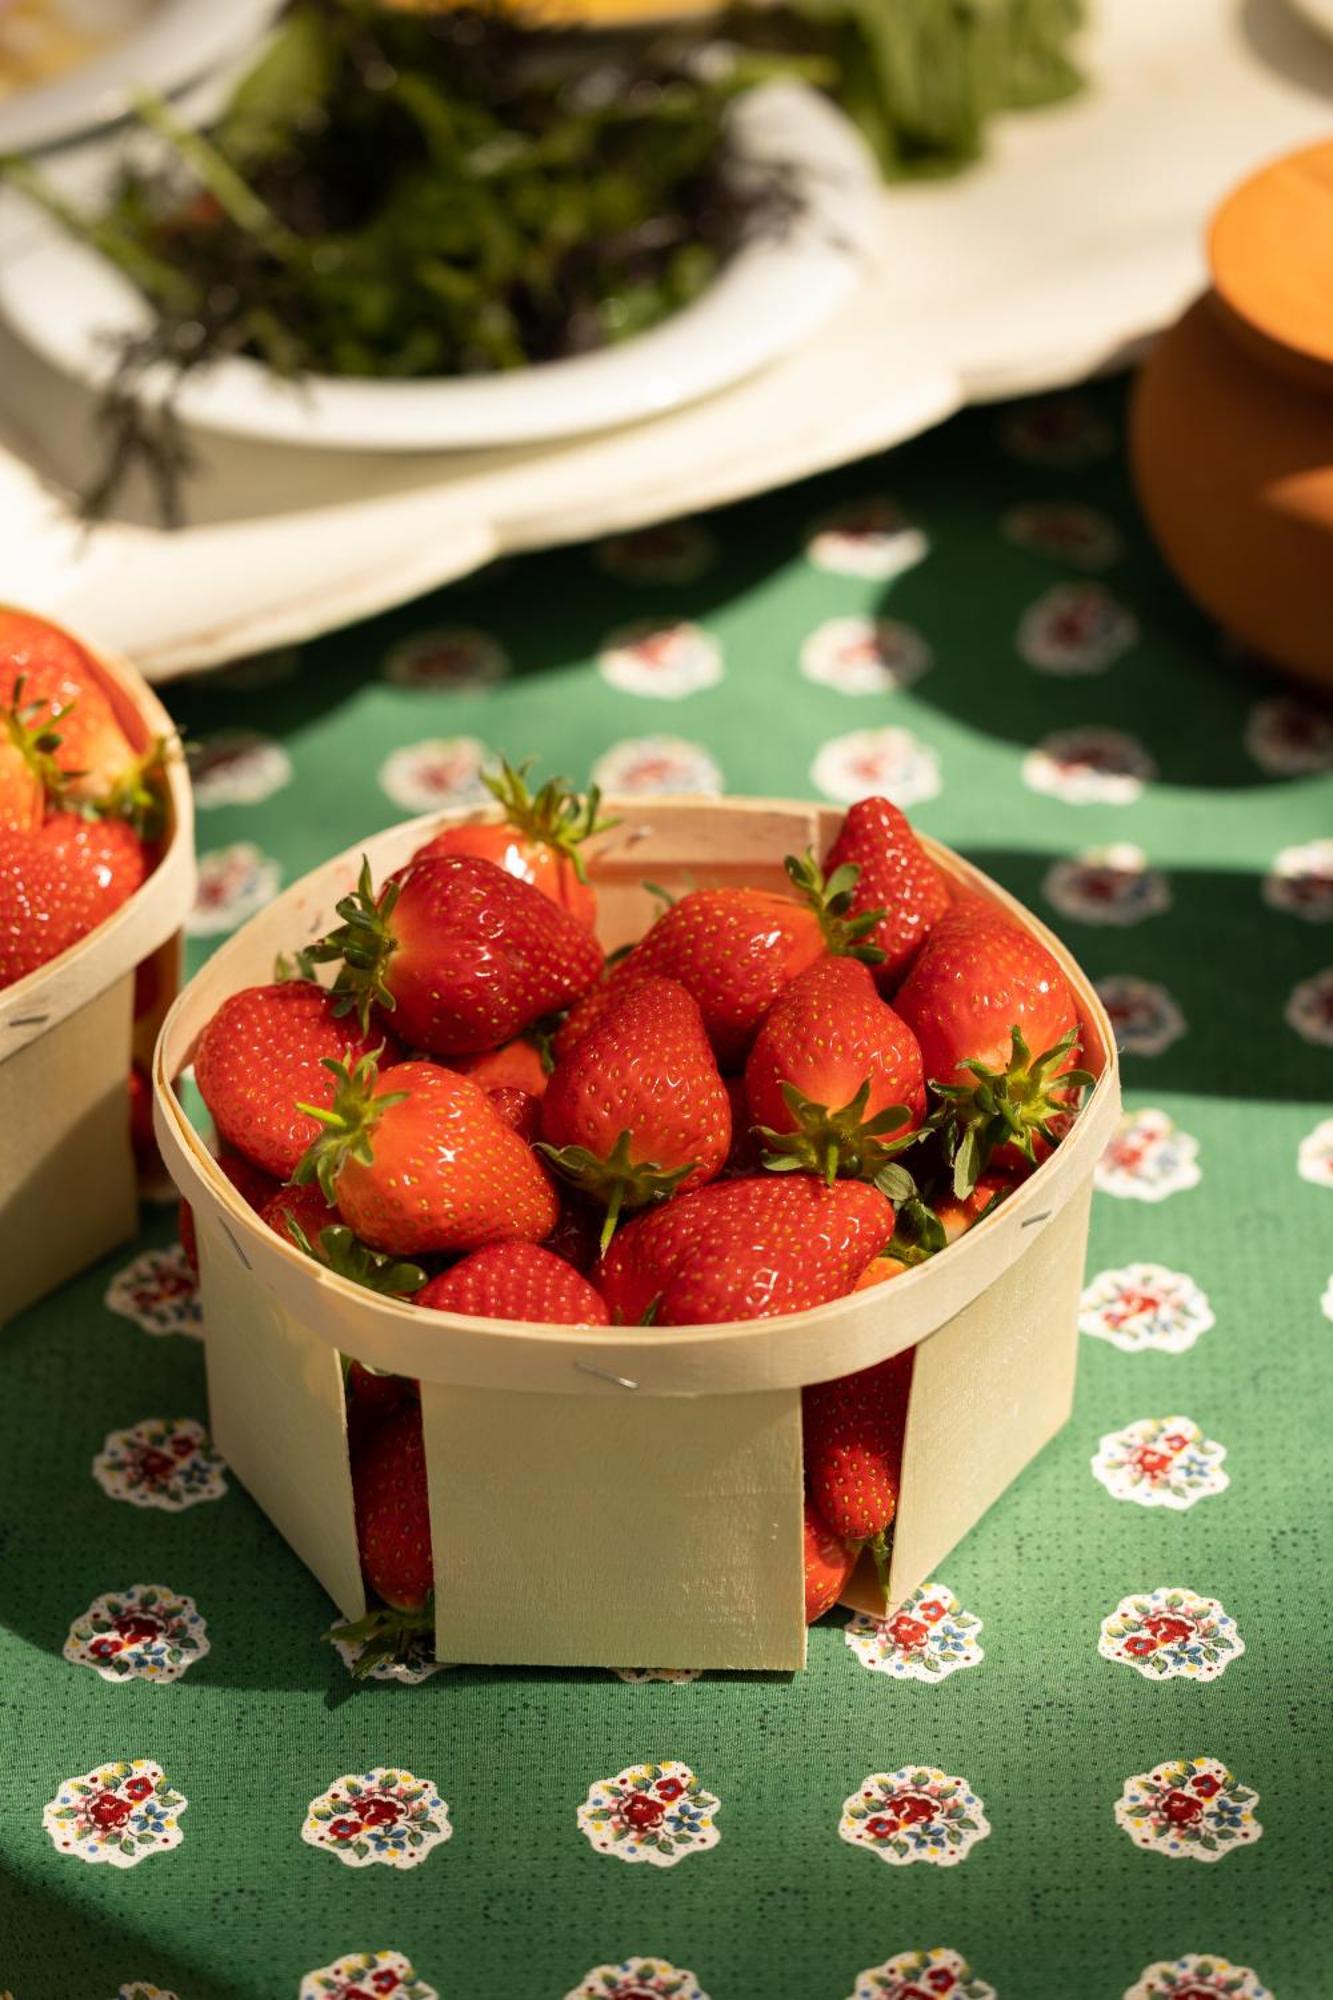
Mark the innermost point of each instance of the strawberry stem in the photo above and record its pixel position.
(554, 815)
(365, 944)
(1010, 1106)
(32, 729)
(842, 1143)
(616, 1182)
(347, 1123)
(830, 897)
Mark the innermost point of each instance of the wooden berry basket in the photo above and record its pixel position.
(68, 1033)
(630, 1496)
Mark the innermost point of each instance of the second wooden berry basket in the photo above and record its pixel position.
(630, 1496)
(68, 1034)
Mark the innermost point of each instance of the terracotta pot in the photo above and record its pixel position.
(1231, 433)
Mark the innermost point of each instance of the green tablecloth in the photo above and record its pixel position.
(1022, 602)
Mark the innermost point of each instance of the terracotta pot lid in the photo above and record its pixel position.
(1271, 250)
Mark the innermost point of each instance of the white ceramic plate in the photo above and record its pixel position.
(1078, 238)
(164, 44)
(65, 300)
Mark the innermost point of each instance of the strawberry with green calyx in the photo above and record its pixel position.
(853, 1442)
(981, 993)
(828, 1565)
(263, 1053)
(516, 1281)
(60, 683)
(1020, 1107)
(393, 1536)
(736, 949)
(306, 1220)
(834, 1081)
(540, 839)
(30, 776)
(461, 954)
(419, 1160)
(137, 794)
(744, 1249)
(897, 876)
(637, 1111)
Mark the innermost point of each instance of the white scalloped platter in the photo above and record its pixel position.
(1080, 236)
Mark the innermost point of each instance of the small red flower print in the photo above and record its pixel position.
(344, 1829)
(109, 1810)
(182, 1446)
(932, 1610)
(105, 1648)
(669, 1789)
(1175, 1441)
(1166, 1631)
(1206, 1785)
(941, 1980)
(641, 1812)
(908, 1633)
(154, 1465)
(136, 1626)
(381, 1812)
(386, 1981)
(138, 1789)
(1152, 1463)
(1141, 1645)
(880, 1827)
(1181, 1809)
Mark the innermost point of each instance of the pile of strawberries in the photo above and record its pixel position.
(80, 807)
(769, 1101)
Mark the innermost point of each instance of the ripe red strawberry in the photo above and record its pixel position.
(744, 1249)
(56, 673)
(518, 1065)
(392, 1513)
(264, 1052)
(516, 1281)
(520, 1110)
(576, 1236)
(251, 1184)
(419, 1160)
(637, 1110)
(735, 949)
(897, 875)
(464, 955)
(853, 1450)
(828, 1564)
(834, 1072)
(744, 1156)
(60, 883)
(372, 1394)
(296, 1212)
(981, 996)
(143, 1145)
(539, 839)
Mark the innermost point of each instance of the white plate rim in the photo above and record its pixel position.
(180, 41)
(771, 296)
